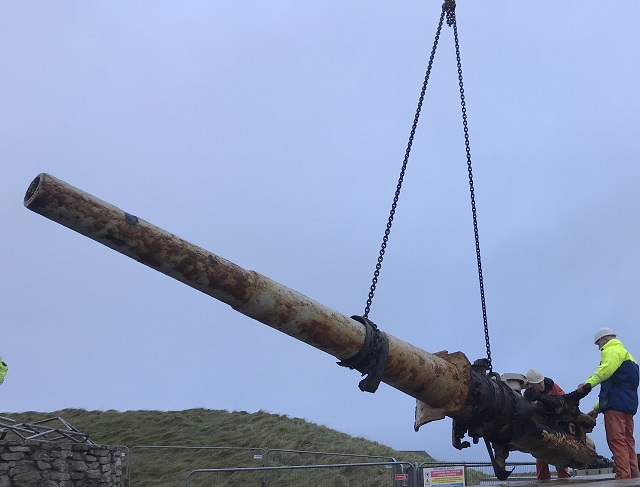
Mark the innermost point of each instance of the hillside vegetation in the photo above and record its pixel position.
(239, 431)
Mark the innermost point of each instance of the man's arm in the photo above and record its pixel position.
(609, 363)
(3, 370)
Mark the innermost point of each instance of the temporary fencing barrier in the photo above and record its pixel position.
(481, 473)
(368, 474)
(235, 457)
(285, 467)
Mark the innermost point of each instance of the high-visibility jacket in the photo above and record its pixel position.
(618, 376)
(3, 370)
(551, 388)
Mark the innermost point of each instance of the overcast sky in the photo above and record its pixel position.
(272, 134)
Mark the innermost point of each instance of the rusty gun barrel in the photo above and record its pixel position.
(443, 383)
(425, 376)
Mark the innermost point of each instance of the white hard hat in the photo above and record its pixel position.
(603, 332)
(534, 376)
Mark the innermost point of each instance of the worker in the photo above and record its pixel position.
(3, 370)
(618, 377)
(544, 385)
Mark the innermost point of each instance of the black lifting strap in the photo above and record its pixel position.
(371, 358)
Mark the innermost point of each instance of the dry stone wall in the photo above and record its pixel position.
(53, 464)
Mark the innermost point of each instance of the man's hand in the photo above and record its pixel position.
(584, 388)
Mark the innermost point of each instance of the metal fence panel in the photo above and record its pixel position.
(149, 462)
(370, 474)
(481, 473)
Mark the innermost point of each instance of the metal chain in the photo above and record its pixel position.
(451, 21)
(394, 205)
(448, 9)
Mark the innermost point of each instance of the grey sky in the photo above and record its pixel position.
(272, 134)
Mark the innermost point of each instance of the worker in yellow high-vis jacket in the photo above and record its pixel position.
(3, 370)
(618, 376)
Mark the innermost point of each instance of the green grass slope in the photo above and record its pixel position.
(164, 467)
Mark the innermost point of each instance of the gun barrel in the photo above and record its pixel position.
(440, 381)
(445, 384)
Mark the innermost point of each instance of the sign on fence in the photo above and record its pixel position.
(444, 476)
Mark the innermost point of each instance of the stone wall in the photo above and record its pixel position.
(53, 464)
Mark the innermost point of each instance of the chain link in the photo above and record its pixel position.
(394, 205)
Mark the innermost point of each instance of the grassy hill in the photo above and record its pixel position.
(164, 467)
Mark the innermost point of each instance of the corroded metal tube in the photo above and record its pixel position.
(444, 384)
(425, 376)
